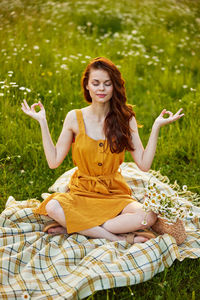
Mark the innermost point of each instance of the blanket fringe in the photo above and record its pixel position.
(190, 196)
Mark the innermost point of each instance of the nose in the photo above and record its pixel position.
(101, 87)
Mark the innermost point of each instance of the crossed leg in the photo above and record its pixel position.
(130, 219)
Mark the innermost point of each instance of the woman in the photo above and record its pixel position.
(99, 203)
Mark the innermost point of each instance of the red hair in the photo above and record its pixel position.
(116, 126)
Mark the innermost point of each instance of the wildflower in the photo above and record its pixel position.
(144, 222)
(167, 207)
(116, 34)
(163, 195)
(134, 31)
(190, 214)
(184, 188)
(63, 66)
(151, 187)
(1, 94)
(22, 88)
(185, 86)
(36, 47)
(22, 171)
(192, 90)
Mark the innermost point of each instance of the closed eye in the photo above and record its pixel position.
(106, 84)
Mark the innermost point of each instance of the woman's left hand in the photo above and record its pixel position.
(161, 121)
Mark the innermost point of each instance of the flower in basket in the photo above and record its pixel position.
(167, 207)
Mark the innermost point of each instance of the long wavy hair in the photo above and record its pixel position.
(116, 125)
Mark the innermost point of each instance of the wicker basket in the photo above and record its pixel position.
(177, 230)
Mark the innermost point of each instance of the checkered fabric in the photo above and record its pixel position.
(36, 265)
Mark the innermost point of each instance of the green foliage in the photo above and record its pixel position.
(45, 46)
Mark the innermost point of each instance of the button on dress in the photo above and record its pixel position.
(97, 190)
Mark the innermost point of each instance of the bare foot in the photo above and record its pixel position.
(57, 230)
(140, 239)
(137, 239)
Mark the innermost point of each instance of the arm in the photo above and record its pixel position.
(54, 154)
(144, 157)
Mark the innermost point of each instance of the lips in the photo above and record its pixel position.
(101, 95)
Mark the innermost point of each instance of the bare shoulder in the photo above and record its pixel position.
(71, 122)
(70, 119)
(133, 123)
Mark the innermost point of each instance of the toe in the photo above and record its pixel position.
(140, 239)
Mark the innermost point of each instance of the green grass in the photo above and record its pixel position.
(45, 46)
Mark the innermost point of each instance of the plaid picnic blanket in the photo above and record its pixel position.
(35, 265)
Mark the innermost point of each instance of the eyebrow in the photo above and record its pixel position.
(105, 80)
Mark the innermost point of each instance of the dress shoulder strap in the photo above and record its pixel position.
(79, 117)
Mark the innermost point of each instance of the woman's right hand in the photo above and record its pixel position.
(30, 111)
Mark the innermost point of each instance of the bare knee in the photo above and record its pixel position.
(52, 207)
(151, 219)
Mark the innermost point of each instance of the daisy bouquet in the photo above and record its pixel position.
(167, 207)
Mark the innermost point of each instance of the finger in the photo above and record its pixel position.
(177, 117)
(33, 106)
(26, 104)
(169, 113)
(180, 116)
(178, 112)
(23, 107)
(40, 105)
(163, 112)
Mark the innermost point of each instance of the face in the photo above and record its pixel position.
(100, 86)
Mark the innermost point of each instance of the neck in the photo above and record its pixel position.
(99, 110)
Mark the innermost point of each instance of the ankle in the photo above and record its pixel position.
(99, 232)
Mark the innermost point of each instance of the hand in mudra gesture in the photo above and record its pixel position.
(30, 111)
(161, 121)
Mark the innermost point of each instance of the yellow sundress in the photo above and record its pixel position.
(98, 191)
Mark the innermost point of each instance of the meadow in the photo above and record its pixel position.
(44, 48)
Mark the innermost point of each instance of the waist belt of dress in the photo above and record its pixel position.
(101, 185)
(96, 178)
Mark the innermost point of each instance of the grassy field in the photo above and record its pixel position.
(45, 46)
